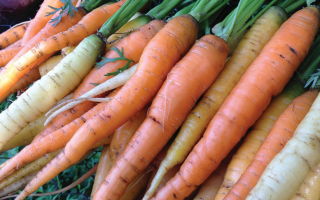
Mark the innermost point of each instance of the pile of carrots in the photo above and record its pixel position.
(183, 106)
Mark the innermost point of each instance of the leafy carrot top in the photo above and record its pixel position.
(67, 8)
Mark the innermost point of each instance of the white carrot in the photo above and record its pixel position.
(47, 91)
(286, 172)
(108, 85)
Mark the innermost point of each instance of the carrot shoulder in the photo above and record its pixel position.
(265, 78)
(154, 65)
(281, 132)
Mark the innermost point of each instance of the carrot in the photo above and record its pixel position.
(210, 187)
(281, 132)
(309, 189)
(26, 80)
(170, 101)
(54, 86)
(289, 168)
(136, 188)
(12, 35)
(104, 166)
(179, 33)
(254, 139)
(196, 122)
(42, 145)
(119, 141)
(245, 154)
(16, 186)
(28, 169)
(49, 64)
(29, 57)
(8, 53)
(265, 78)
(41, 19)
(49, 29)
(112, 83)
(123, 134)
(132, 46)
(25, 136)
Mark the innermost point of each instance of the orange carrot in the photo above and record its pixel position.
(41, 51)
(120, 139)
(26, 80)
(49, 29)
(12, 35)
(45, 144)
(13, 71)
(123, 134)
(41, 19)
(154, 65)
(281, 132)
(8, 53)
(168, 110)
(265, 78)
(132, 46)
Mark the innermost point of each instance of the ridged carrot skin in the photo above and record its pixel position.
(198, 119)
(8, 53)
(54, 86)
(16, 69)
(35, 53)
(132, 45)
(41, 19)
(154, 65)
(25, 136)
(168, 110)
(281, 132)
(120, 139)
(290, 166)
(309, 189)
(12, 35)
(43, 145)
(264, 79)
(210, 187)
(28, 169)
(254, 139)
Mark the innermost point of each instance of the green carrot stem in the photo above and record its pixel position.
(185, 10)
(162, 10)
(291, 5)
(89, 5)
(204, 8)
(127, 10)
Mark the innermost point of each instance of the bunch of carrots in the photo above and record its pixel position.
(200, 99)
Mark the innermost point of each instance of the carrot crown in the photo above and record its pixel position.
(127, 10)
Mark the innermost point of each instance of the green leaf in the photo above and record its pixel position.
(119, 70)
(109, 60)
(313, 81)
(67, 8)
